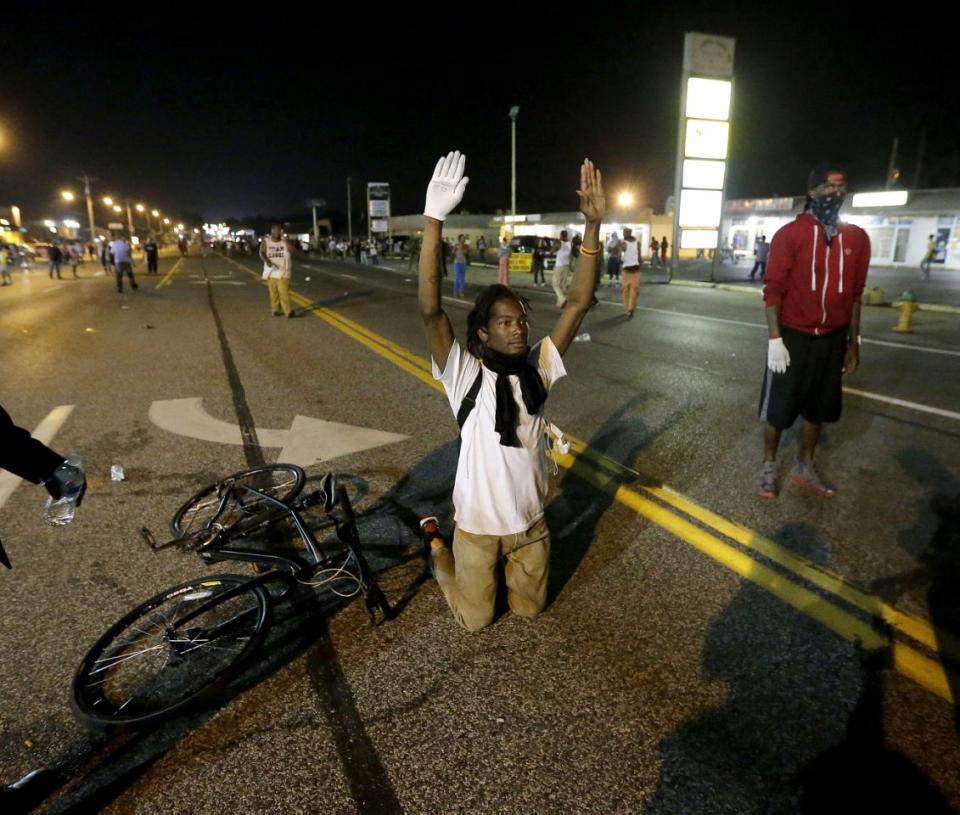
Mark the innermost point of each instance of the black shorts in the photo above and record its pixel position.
(811, 386)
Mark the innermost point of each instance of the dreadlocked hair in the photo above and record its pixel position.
(480, 315)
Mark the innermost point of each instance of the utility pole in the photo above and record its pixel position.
(129, 219)
(349, 214)
(514, 112)
(86, 189)
(892, 169)
(920, 152)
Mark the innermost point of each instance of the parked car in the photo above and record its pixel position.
(525, 244)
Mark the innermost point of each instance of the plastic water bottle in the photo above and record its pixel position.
(116, 473)
(72, 483)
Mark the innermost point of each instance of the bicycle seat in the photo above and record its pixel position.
(328, 485)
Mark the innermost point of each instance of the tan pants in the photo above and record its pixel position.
(630, 288)
(468, 577)
(279, 294)
(561, 283)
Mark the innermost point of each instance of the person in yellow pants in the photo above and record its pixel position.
(277, 257)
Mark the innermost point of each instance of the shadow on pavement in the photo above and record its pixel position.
(934, 541)
(801, 728)
(587, 491)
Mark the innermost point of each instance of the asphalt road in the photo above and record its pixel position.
(704, 651)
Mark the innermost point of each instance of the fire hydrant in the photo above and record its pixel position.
(906, 305)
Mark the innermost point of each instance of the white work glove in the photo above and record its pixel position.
(446, 187)
(778, 357)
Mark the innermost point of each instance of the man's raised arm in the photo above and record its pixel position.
(587, 270)
(443, 195)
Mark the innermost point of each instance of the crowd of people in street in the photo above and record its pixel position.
(115, 257)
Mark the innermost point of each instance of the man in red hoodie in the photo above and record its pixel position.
(816, 273)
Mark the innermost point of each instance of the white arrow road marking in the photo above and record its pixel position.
(306, 442)
(45, 432)
(219, 282)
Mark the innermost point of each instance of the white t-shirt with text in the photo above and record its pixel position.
(279, 253)
(499, 490)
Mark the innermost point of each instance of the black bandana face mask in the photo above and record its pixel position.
(826, 208)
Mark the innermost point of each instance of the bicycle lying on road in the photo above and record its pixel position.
(178, 649)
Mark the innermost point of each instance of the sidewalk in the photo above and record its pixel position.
(940, 293)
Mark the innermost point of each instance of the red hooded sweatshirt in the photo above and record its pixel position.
(815, 283)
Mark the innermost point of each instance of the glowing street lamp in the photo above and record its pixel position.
(108, 200)
(66, 195)
(625, 199)
(166, 222)
(155, 213)
(117, 208)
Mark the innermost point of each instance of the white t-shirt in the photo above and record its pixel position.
(499, 490)
(279, 253)
(563, 255)
(631, 253)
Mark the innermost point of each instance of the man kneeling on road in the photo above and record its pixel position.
(815, 278)
(497, 386)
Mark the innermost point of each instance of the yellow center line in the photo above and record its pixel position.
(914, 627)
(169, 275)
(605, 473)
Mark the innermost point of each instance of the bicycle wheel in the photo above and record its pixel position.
(280, 481)
(171, 652)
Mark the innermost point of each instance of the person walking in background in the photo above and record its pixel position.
(654, 252)
(761, 250)
(460, 266)
(631, 272)
(122, 256)
(7, 262)
(561, 269)
(481, 249)
(413, 253)
(503, 262)
(614, 249)
(539, 261)
(928, 257)
(106, 258)
(55, 258)
(664, 247)
(152, 253)
(277, 257)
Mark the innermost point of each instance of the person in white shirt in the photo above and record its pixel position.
(631, 272)
(277, 257)
(496, 387)
(561, 269)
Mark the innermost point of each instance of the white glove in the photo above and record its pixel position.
(446, 187)
(778, 357)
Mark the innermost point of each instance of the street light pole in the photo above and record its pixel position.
(129, 218)
(86, 189)
(514, 112)
(349, 215)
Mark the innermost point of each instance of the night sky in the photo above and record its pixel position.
(228, 114)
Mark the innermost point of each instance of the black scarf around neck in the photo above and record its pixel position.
(531, 388)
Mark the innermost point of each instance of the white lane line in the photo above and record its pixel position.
(865, 340)
(913, 347)
(703, 317)
(949, 414)
(45, 432)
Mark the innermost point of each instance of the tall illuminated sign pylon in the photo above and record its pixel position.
(703, 142)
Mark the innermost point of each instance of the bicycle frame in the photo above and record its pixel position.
(288, 568)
